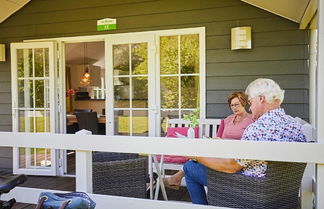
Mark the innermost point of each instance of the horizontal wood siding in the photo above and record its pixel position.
(280, 49)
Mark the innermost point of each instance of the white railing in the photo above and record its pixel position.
(83, 144)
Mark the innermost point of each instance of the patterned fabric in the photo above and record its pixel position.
(274, 125)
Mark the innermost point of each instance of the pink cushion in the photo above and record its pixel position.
(220, 129)
(171, 132)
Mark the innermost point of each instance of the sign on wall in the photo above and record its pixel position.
(106, 24)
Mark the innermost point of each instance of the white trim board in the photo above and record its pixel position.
(277, 151)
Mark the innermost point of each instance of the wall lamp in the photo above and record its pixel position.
(241, 38)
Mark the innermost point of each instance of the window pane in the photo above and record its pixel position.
(48, 158)
(26, 121)
(140, 123)
(39, 93)
(121, 59)
(121, 92)
(122, 122)
(165, 115)
(47, 63)
(25, 63)
(189, 54)
(169, 92)
(42, 121)
(140, 92)
(22, 157)
(39, 62)
(169, 55)
(139, 59)
(25, 93)
(190, 91)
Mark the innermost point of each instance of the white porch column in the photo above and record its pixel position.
(320, 104)
(83, 168)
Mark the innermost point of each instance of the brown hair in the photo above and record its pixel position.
(242, 97)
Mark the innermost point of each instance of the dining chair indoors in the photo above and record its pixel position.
(88, 121)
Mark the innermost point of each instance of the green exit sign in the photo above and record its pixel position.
(106, 24)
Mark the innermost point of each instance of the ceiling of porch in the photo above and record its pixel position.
(299, 11)
(8, 7)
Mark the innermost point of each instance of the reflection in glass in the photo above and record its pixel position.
(47, 94)
(121, 59)
(169, 92)
(165, 115)
(47, 63)
(39, 62)
(40, 121)
(190, 91)
(39, 93)
(139, 59)
(26, 121)
(169, 55)
(48, 158)
(22, 157)
(189, 53)
(25, 93)
(47, 122)
(121, 93)
(25, 63)
(139, 123)
(140, 92)
(41, 157)
(122, 122)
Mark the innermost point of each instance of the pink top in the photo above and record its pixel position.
(235, 131)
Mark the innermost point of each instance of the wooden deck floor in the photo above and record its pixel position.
(68, 184)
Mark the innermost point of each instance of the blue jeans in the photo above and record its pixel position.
(196, 179)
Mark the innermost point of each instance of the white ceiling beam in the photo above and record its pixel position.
(9, 7)
(309, 14)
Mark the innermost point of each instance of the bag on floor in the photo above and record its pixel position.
(75, 200)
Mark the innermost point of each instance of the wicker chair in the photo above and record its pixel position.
(279, 189)
(119, 174)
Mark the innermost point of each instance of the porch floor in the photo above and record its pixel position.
(68, 184)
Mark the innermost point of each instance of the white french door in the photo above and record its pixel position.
(33, 104)
(152, 77)
(131, 102)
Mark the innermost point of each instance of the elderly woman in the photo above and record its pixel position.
(272, 124)
(234, 126)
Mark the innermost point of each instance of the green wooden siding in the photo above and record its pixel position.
(280, 49)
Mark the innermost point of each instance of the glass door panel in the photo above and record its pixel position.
(33, 104)
(179, 76)
(130, 75)
(130, 64)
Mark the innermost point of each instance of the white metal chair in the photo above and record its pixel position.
(207, 127)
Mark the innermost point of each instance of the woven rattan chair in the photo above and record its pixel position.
(119, 174)
(279, 189)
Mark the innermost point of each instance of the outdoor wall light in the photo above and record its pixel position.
(2, 53)
(241, 38)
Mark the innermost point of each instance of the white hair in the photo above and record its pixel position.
(267, 88)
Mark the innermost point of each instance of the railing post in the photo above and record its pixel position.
(83, 168)
(320, 105)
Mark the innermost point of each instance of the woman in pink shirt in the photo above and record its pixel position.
(231, 128)
(235, 124)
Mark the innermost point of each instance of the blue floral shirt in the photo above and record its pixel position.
(274, 125)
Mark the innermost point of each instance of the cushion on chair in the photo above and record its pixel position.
(171, 132)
